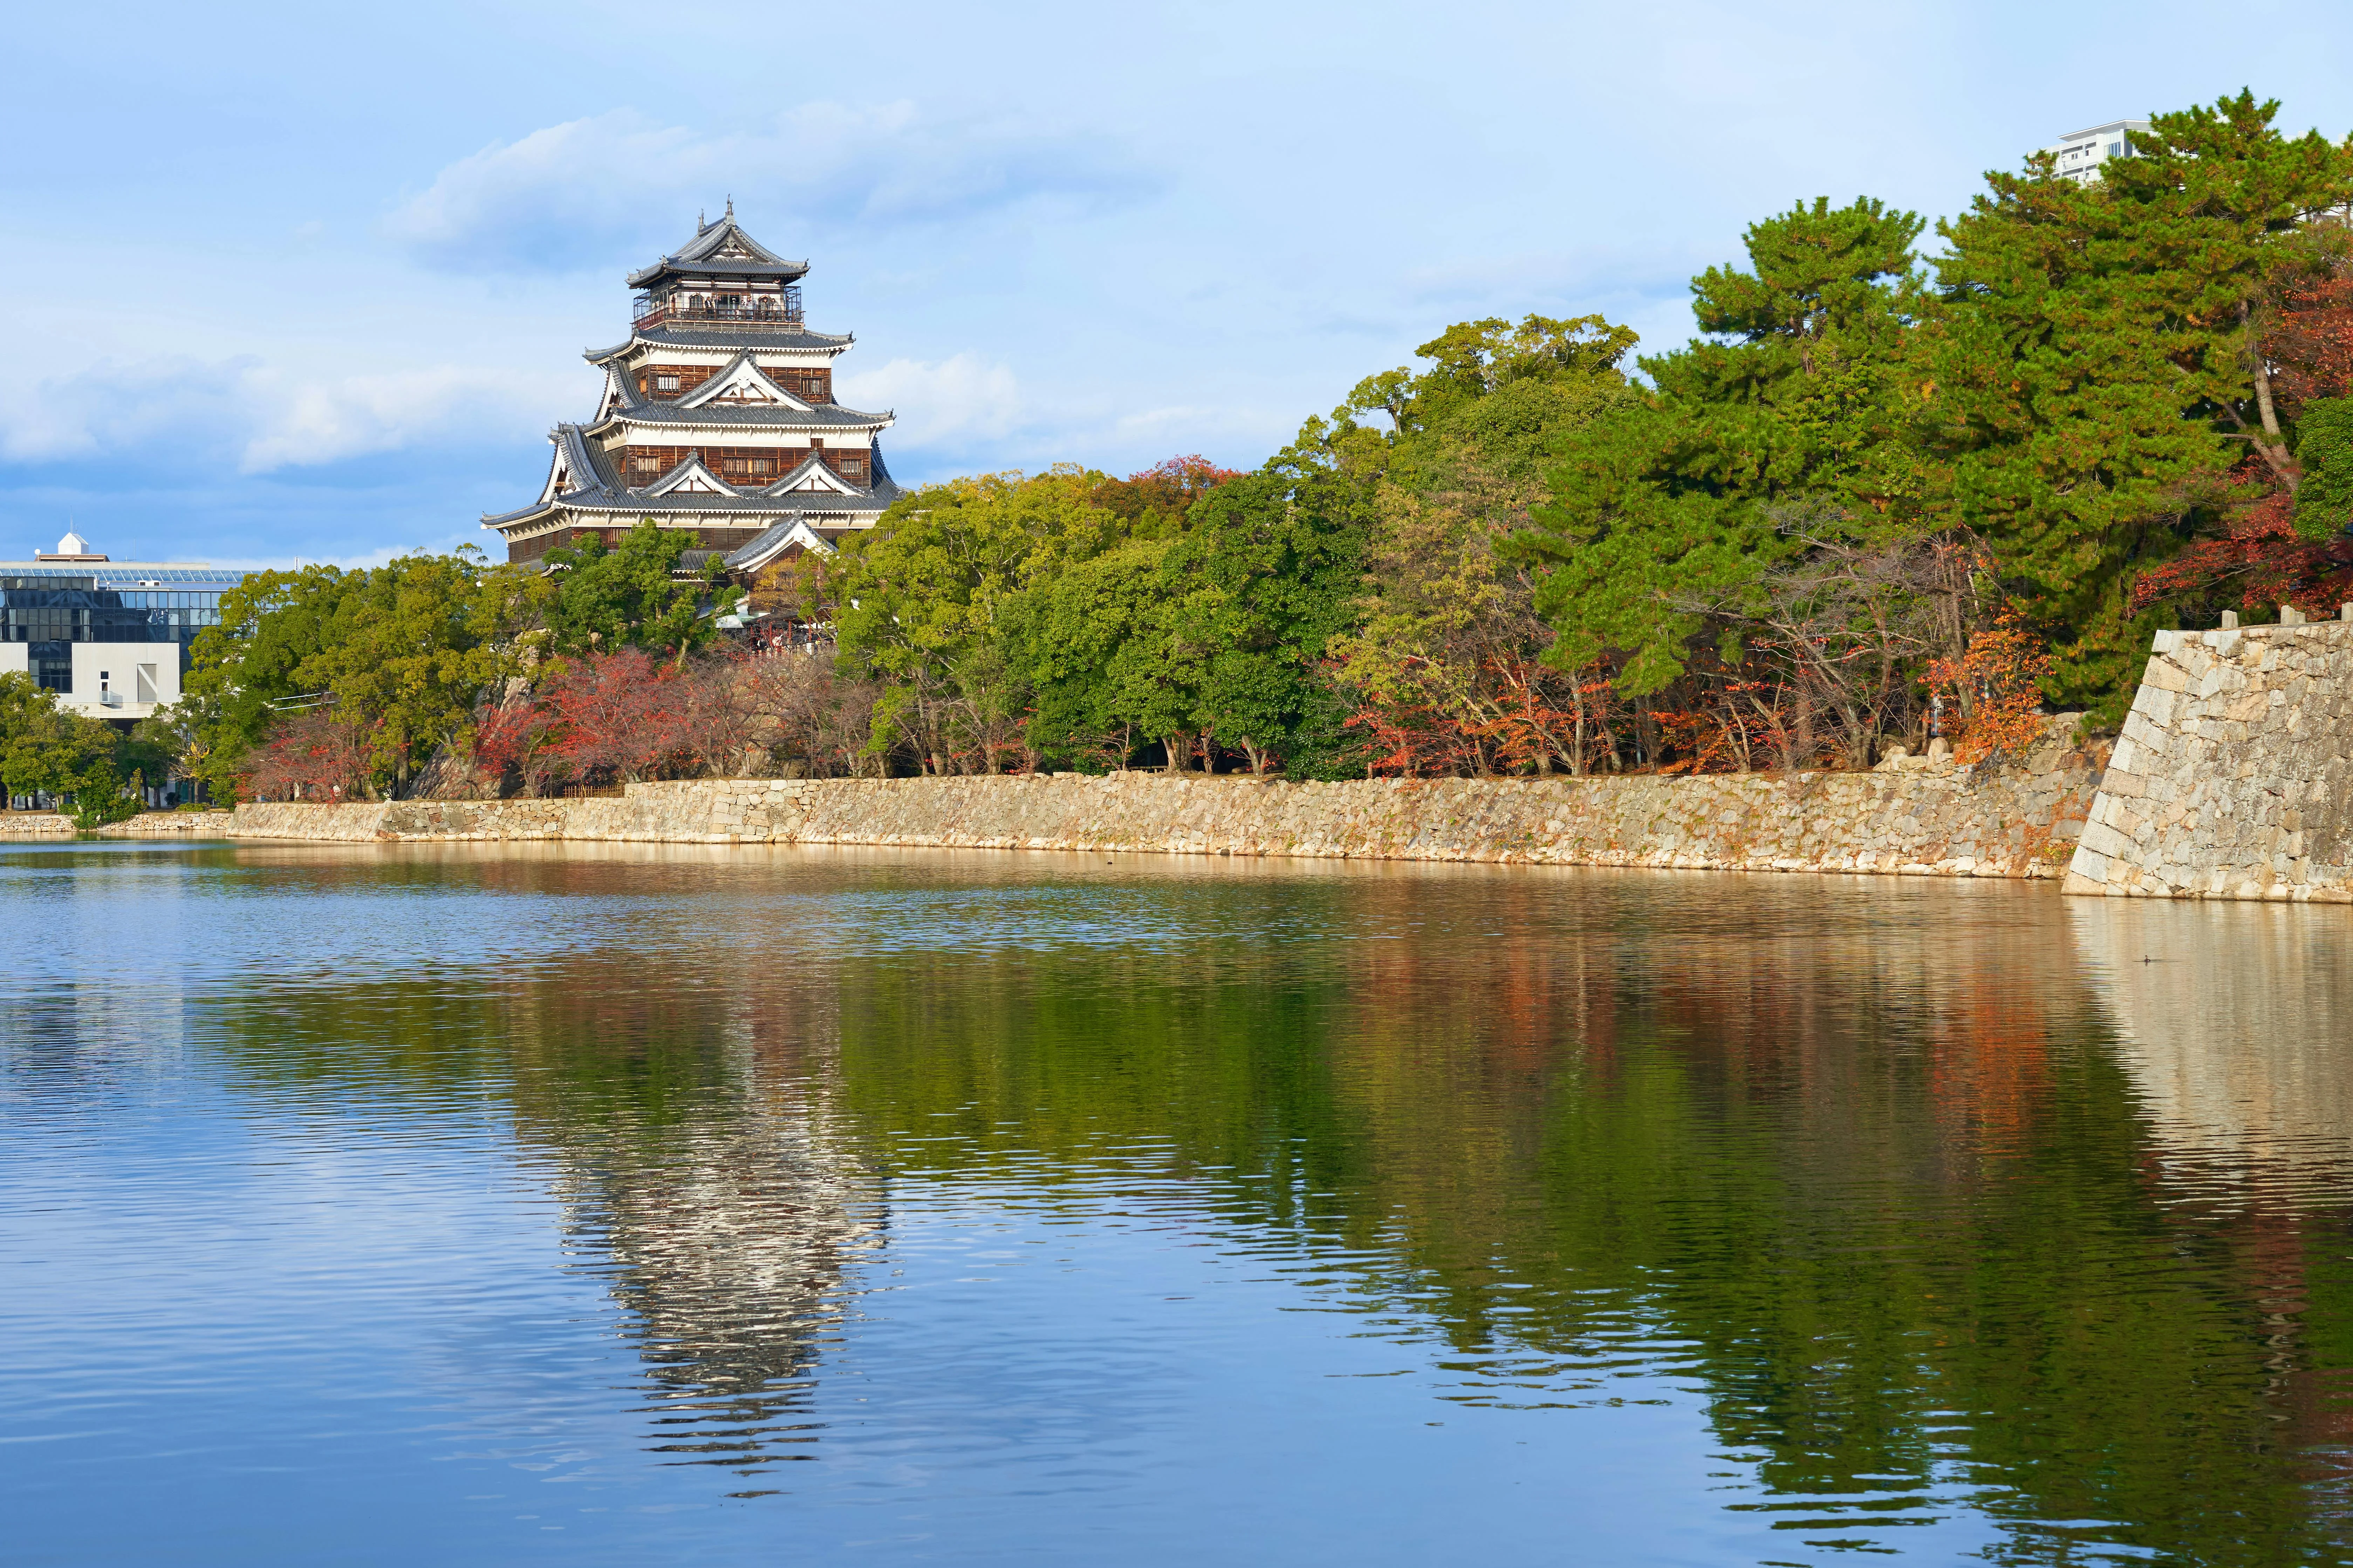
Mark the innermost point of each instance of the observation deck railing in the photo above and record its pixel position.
(764, 313)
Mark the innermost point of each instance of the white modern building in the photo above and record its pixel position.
(2079, 154)
(109, 637)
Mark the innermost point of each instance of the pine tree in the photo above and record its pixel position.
(2090, 374)
(1665, 507)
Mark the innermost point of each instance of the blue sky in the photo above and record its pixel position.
(312, 282)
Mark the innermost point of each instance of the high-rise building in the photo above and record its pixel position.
(2079, 154)
(718, 417)
(109, 637)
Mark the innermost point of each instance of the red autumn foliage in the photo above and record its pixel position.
(1996, 689)
(2260, 560)
(627, 715)
(1166, 489)
(310, 756)
(1744, 722)
(2311, 342)
(1413, 741)
(1530, 717)
(619, 713)
(512, 738)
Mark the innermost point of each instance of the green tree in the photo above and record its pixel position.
(2323, 452)
(1497, 384)
(1266, 576)
(636, 594)
(1662, 505)
(1443, 641)
(1105, 647)
(403, 651)
(2090, 375)
(937, 600)
(241, 670)
(44, 750)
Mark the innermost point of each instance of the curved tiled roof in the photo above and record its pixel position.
(825, 417)
(699, 257)
(638, 408)
(787, 531)
(606, 493)
(719, 338)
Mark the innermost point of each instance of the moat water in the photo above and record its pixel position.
(597, 1204)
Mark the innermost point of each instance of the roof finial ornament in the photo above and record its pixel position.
(699, 225)
(731, 205)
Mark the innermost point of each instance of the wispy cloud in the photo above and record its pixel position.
(355, 562)
(304, 421)
(568, 196)
(1183, 426)
(953, 402)
(119, 408)
(246, 415)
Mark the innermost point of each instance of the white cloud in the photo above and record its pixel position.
(568, 196)
(1186, 429)
(359, 561)
(305, 421)
(257, 418)
(124, 410)
(948, 403)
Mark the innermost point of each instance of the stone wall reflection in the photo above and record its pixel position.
(2235, 1025)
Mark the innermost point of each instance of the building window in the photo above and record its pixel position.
(665, 383)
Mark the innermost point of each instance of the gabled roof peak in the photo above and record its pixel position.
(742, 383)
(723, 240)
(721, 249)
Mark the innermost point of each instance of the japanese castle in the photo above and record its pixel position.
(717, 417)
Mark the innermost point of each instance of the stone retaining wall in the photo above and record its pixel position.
(2232, 779)
(146, 825)
(1912, 817)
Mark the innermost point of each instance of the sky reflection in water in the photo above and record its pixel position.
(615, 1205)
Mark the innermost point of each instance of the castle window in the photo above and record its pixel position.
(665, 383)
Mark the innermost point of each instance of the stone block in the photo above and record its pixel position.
(2102, 839)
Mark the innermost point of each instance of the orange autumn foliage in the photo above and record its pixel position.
(1996, 687)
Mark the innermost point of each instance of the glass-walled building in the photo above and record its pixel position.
(109, 637)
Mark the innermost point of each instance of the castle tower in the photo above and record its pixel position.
(717, 418)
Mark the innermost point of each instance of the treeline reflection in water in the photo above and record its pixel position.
(1938, 1198)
